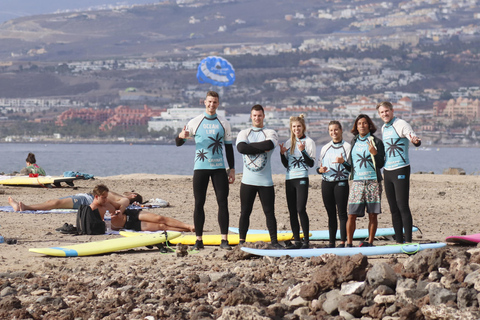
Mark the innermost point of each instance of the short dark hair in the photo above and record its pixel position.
(371, 125)
(257, 107)
(100, 189)
(31, 158)
(213, 94)
(138, 198)
(385, 104)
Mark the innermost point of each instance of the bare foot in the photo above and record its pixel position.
(14, 204)
(192, 228)
(21, 206)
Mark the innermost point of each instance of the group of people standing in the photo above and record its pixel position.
(339, 161)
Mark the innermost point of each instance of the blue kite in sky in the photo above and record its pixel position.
(216, 71)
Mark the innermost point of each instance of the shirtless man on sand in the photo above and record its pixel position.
(134, 219)
(74, 201)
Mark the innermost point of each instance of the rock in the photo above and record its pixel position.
(8, 291)
(388, 299)
(425, 262)
(10, 303)
(242, 312)
(444, 312)
(467, 298)
(339, 270)
(293, 298)
(353, 304)
(310, 291)
(382, 273)
(439, 295)
(473, 278)
(331, 303)
(454, 171)
(384, 290)
(244, 295)
(352, 288)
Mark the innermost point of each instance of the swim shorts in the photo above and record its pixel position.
(80, 198)
(364, 194)
(133, 223)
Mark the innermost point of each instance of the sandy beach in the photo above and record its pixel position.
(441, 205)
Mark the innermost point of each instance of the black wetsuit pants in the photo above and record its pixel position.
(220, 185)
(335, 199)
(397, 190)
(267, 198)
(297, 195)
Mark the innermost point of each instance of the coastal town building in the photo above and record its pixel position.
(462, 108)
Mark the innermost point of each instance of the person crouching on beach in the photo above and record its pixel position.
(297, 155)
(32, 166)
(366, 158)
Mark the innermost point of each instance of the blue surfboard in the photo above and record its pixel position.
(366, 251)
(324, 235)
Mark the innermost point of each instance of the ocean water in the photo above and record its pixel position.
(114, 159)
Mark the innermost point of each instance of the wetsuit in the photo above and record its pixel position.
(257, 145)
(396, 136)
(210, 132)
(296, 183)
(335, 187)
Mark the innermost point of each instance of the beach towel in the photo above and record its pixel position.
(10, 209)
(77, 174)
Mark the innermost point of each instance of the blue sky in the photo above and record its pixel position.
(11, 9)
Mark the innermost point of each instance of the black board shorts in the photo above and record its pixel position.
(133, 223)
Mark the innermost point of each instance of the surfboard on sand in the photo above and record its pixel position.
(323, 234)
(37, 181)
(366, 251)
(471, 239)
(216, 239)
(107, 246)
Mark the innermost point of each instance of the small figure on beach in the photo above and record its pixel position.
(32, 166)
(256, 144)
(298, 155)
(211, 132)
(335, 189)
(76, 200)
(396, 133)
(366, 158)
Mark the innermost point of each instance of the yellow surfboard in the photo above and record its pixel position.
(36, 181)
(216, 239)
(107, 246)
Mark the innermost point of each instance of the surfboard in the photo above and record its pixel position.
(106, 246)
(366, 251)
(471, 239)
(324, 235)
(216, 239)
(37, 181)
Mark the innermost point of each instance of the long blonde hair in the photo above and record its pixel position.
(300, 119)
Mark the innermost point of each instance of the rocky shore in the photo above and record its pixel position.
(218, 284)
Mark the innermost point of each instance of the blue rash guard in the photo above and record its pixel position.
(328, 156)
(396, 135)
(210, 133)
(362, 160)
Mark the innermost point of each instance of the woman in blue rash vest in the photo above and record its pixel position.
(298, 154)
(367, 157)
(335, 182)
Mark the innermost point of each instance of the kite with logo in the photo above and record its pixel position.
(217, 71)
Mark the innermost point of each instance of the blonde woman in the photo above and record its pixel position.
(298, 155)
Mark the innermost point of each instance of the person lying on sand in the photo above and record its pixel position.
(74, 201)
(134, 219)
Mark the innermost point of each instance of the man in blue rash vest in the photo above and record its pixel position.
(210, 132)
(256, 145)
(396, 134)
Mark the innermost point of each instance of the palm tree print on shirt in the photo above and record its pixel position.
(395, 147)
(201, 155)
(298, 163)
(217, 144)
(338, 173)
(364, 160)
